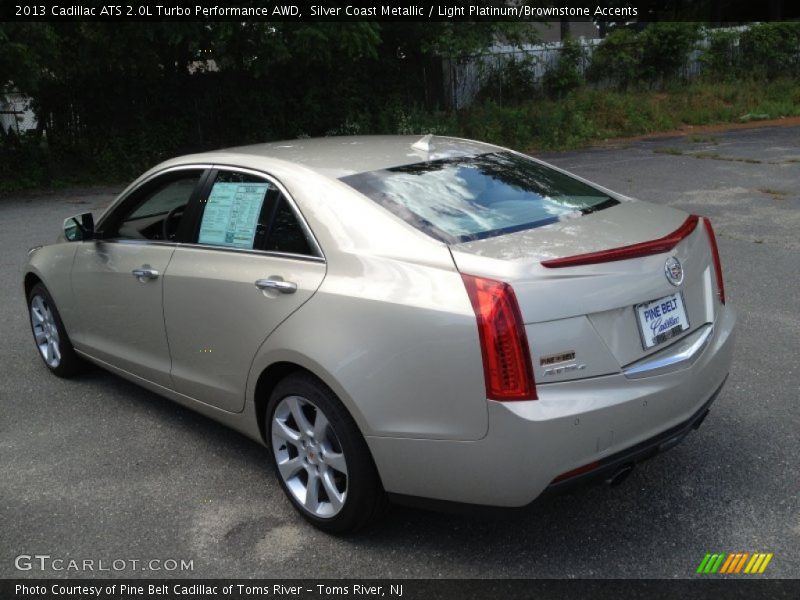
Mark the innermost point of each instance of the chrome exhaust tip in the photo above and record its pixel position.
(619, 475)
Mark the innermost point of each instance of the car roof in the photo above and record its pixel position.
(338, 157)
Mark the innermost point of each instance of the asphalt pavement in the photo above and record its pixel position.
(98, 469)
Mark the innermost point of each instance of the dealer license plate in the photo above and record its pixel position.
(661, 320)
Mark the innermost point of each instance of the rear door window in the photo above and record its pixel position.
(237, 211)
(468, 198)
(248, 212)
(286, 233)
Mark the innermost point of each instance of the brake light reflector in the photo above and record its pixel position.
(712, 240)
(657, 246)
(575, 472)
(507, 365)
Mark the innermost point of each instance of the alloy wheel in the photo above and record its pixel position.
(309, 457)
(45, 331)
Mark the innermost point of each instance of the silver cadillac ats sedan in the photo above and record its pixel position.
(396, 317)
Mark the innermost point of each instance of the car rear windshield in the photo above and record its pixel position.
(469, 198)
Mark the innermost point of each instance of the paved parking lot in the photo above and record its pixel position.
(97, 468)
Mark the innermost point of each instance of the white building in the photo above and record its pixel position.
(16, 113)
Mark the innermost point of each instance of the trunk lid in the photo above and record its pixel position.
(581, 320)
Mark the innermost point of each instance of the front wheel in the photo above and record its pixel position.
(322, 461)
(50, 336)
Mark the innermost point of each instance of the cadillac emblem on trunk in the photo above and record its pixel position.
(674, 270)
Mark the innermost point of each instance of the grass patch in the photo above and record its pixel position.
(777, 194)
(705, 155)
(702, 139)
(670, 151)
(718, 156)
(754, 117)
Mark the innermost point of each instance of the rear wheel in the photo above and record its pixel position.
(50, 336)
(322, 461)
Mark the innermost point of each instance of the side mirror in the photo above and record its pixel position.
(79, 227)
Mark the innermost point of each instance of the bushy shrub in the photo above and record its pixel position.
(665, 49)
(23, 163)
(771, 50)
(616, 60)
(504, 125)
(721, 56)
(416, 121)
(566, 74)
(654, 55)
(510, 81)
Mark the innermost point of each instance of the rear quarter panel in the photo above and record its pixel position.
(399, 345)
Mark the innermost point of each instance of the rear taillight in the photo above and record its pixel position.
(712, 240)
(507, 363)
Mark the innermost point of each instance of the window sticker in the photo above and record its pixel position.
(231, 215)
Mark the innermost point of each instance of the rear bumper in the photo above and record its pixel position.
(611, 420)
(606, 467)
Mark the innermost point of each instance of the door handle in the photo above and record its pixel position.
(284, 287)
(145, 273)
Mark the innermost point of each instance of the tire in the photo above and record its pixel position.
(324, 467)
(49, 335)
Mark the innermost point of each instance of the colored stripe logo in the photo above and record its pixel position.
(739, 562)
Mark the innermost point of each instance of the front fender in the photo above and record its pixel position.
(53, 266)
